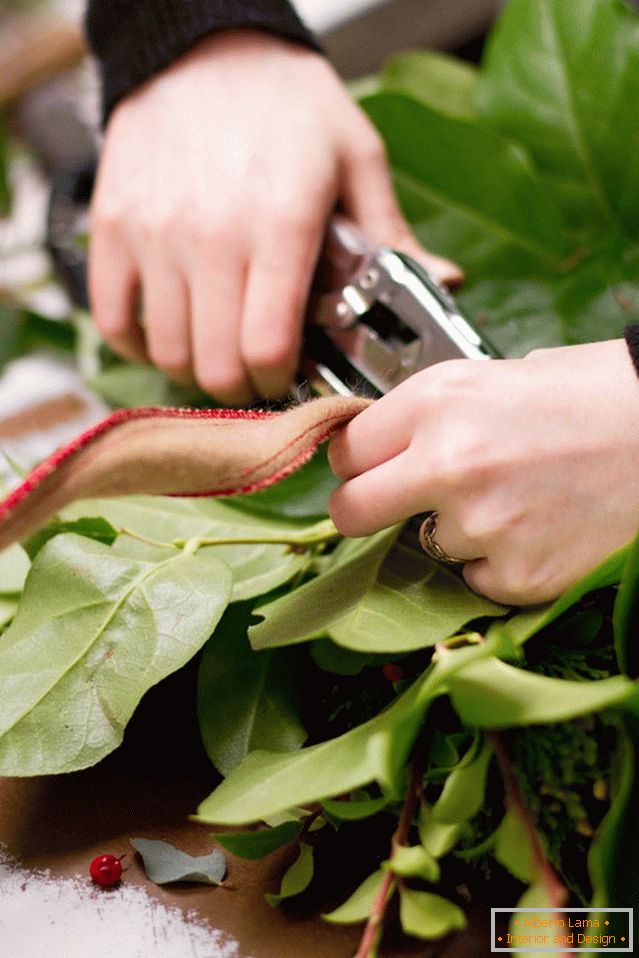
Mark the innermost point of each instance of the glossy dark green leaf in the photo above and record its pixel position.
(94, 527)
(428, 916)
(518, 315)
(459, 168)
(563, 80)
(297, 878)
(259, 843)
(245, 700)
(164, 863)
(93, 633)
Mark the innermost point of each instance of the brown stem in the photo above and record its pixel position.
(556, 891)
(389, 882)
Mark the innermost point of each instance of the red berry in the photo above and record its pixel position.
(106, 870)
(392, 672)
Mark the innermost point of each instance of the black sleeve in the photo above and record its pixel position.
(631, 335)
(133, 39)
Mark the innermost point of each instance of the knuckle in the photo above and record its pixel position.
(269, 354)
(370, 148)
(172, 361)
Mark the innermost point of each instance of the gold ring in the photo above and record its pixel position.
(434, 551)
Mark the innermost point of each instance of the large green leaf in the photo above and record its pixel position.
(266, 783)
(563, 80)
(302, 495)
(93, 633)
(246, 700)
(372, 600)
(459, 168)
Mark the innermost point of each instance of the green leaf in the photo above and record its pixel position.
(127, 384)
(614, 855)
(303, 495)
(442, 82)
(92, 528)
(438, 839)
(372, 602)
(464, 790)
(425, 915)
(245, 700)
(492, 694)
(332, 658)
(297, 878)
(357, 908)
(457, 169)
(563, 80)
(522, 626)
(259, 843)
(354, 809)
(164, 863)
(519, 315)
(626, 614)
(512, 847)
(8, 608)
(93, 633)
(14, 566)
(266, 783)
(414, 862)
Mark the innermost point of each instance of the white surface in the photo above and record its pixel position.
(75, 919)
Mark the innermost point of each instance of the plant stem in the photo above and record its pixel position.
(389, 882)
(556, 891)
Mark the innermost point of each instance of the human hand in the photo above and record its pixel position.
(215, 185)
(532, 465)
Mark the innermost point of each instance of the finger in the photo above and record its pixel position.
(376, 435)
(216, 300)
(166, 321)
(450, 538)
(379, 498)
(276, 295)
(368, 198)
(113, 293)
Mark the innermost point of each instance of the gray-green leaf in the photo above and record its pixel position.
(164, 863)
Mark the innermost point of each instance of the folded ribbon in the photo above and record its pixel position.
(186, 452)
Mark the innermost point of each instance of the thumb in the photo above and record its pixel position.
(369, 200)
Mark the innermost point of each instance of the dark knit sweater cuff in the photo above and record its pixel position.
(631, 335)
(135, 39)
